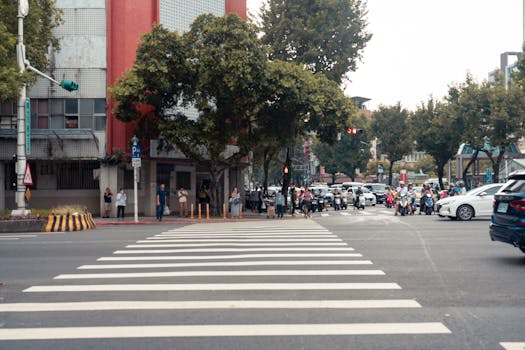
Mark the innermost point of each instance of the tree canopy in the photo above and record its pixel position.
(326, 36)
(38, 37)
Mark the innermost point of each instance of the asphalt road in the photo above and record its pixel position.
(341, 280)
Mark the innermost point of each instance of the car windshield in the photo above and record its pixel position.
(514, 186)
(488, 189)
(378, 187)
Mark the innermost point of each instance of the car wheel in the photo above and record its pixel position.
(465, 213)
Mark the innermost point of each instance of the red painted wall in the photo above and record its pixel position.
(236, 6)
(127, 20)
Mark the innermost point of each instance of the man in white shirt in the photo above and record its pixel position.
(182, 194)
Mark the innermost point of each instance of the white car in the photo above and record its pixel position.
(370, 198)
(476, 202)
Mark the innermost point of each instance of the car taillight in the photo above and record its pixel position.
(518, 205)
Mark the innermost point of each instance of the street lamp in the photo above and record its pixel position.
(23, 114)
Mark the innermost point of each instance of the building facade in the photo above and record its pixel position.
(78, 148)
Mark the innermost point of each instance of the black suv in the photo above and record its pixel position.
(379, 190)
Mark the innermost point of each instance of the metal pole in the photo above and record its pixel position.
(21, 127)
(135, 199)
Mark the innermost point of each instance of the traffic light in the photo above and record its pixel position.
(354, 131)
(69, 85)
(285, 170)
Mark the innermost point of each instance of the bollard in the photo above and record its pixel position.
(50, 223)
(224, 211)
(191, 211)
(207, 211)
(240, 211)
(199, 212)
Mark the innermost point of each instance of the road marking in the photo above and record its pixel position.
(244, 234)
(18, 236)
(344, 213)
(513, 346)
(325, 214)
(240, 330)
(228, 263)
(204, 304)
(211, 287)
(260, 245)
(219, 250)
(221, 273)
(387, 212)
(9, 239)
(235, 256)
(239, 239)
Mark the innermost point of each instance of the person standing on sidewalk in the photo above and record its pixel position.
(235, 201)
(121, 203)
(182, 194)
(279, 202)
(161, 201)
(108, 198)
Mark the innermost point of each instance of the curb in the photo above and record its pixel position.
(70, 223)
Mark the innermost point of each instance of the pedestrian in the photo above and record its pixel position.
(162, 195)
(121, 203)
(182, 194)
(254, 200)
(293, 199)
(235, 202)
(108, 198)
(279, 202)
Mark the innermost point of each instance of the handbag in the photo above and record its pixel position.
(166, 210)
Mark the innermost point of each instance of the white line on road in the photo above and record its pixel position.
(219, 250)
(244, 234)
(222, 273)
(9, 239)
(260, 245)
(232, 330)
(18, 236)
(234, 256)
(325, 214)
(204, 304)
(227, 263)
(513, 346)
(234, 239)
(210, 287)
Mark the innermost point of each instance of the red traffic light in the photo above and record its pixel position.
(354, 131)
(285, 170)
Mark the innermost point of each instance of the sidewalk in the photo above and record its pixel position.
(176, 220)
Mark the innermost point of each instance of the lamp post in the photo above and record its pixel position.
(135, 162)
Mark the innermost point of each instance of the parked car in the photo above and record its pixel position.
(508, 216)
(477, 202)
(379, 190)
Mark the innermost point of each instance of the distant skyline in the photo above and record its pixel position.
(420, 47)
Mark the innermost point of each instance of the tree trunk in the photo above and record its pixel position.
(440, 173)
(286, 177)
(469, 164)
(215, 206)
(497, 164)
(266, 166)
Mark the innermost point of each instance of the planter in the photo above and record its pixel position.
(22, 225)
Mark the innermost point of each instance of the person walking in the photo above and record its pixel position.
(279, 202)
(161, 201)
(121, 204)
(108, 198)
(254, 200)
(235, 201)
(182, 194)
(293, 199)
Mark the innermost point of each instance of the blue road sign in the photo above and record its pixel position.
(135, 151)
(488, 177)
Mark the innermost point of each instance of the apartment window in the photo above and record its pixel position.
(57, 113)
(8, 116)
(39, 114)
(71, 113)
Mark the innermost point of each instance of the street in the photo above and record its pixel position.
(340, 280)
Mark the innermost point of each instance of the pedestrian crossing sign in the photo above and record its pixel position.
(28, 179)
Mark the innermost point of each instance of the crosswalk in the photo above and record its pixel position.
(275, 266)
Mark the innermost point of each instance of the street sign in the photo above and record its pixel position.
(380, 168)
(135, 162)
(28, 126)
(135, 151)
(28, 179)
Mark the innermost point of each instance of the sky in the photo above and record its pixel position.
(420, 47)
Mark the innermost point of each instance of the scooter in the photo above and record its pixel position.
(320, 203)
(314, 205)
(359, 202)
(344, 203)
(337, 202)
(429, 204)
(403, 205)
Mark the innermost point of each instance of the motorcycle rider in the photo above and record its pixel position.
(401, 191)
(358, 193)
(412, 198)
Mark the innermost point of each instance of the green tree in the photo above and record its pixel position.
(344, 156)
(390, 126)
(437, 132)
(217, 66)
(38, 37)
(326, 36)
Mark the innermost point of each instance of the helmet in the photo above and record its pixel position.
(401, 182)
